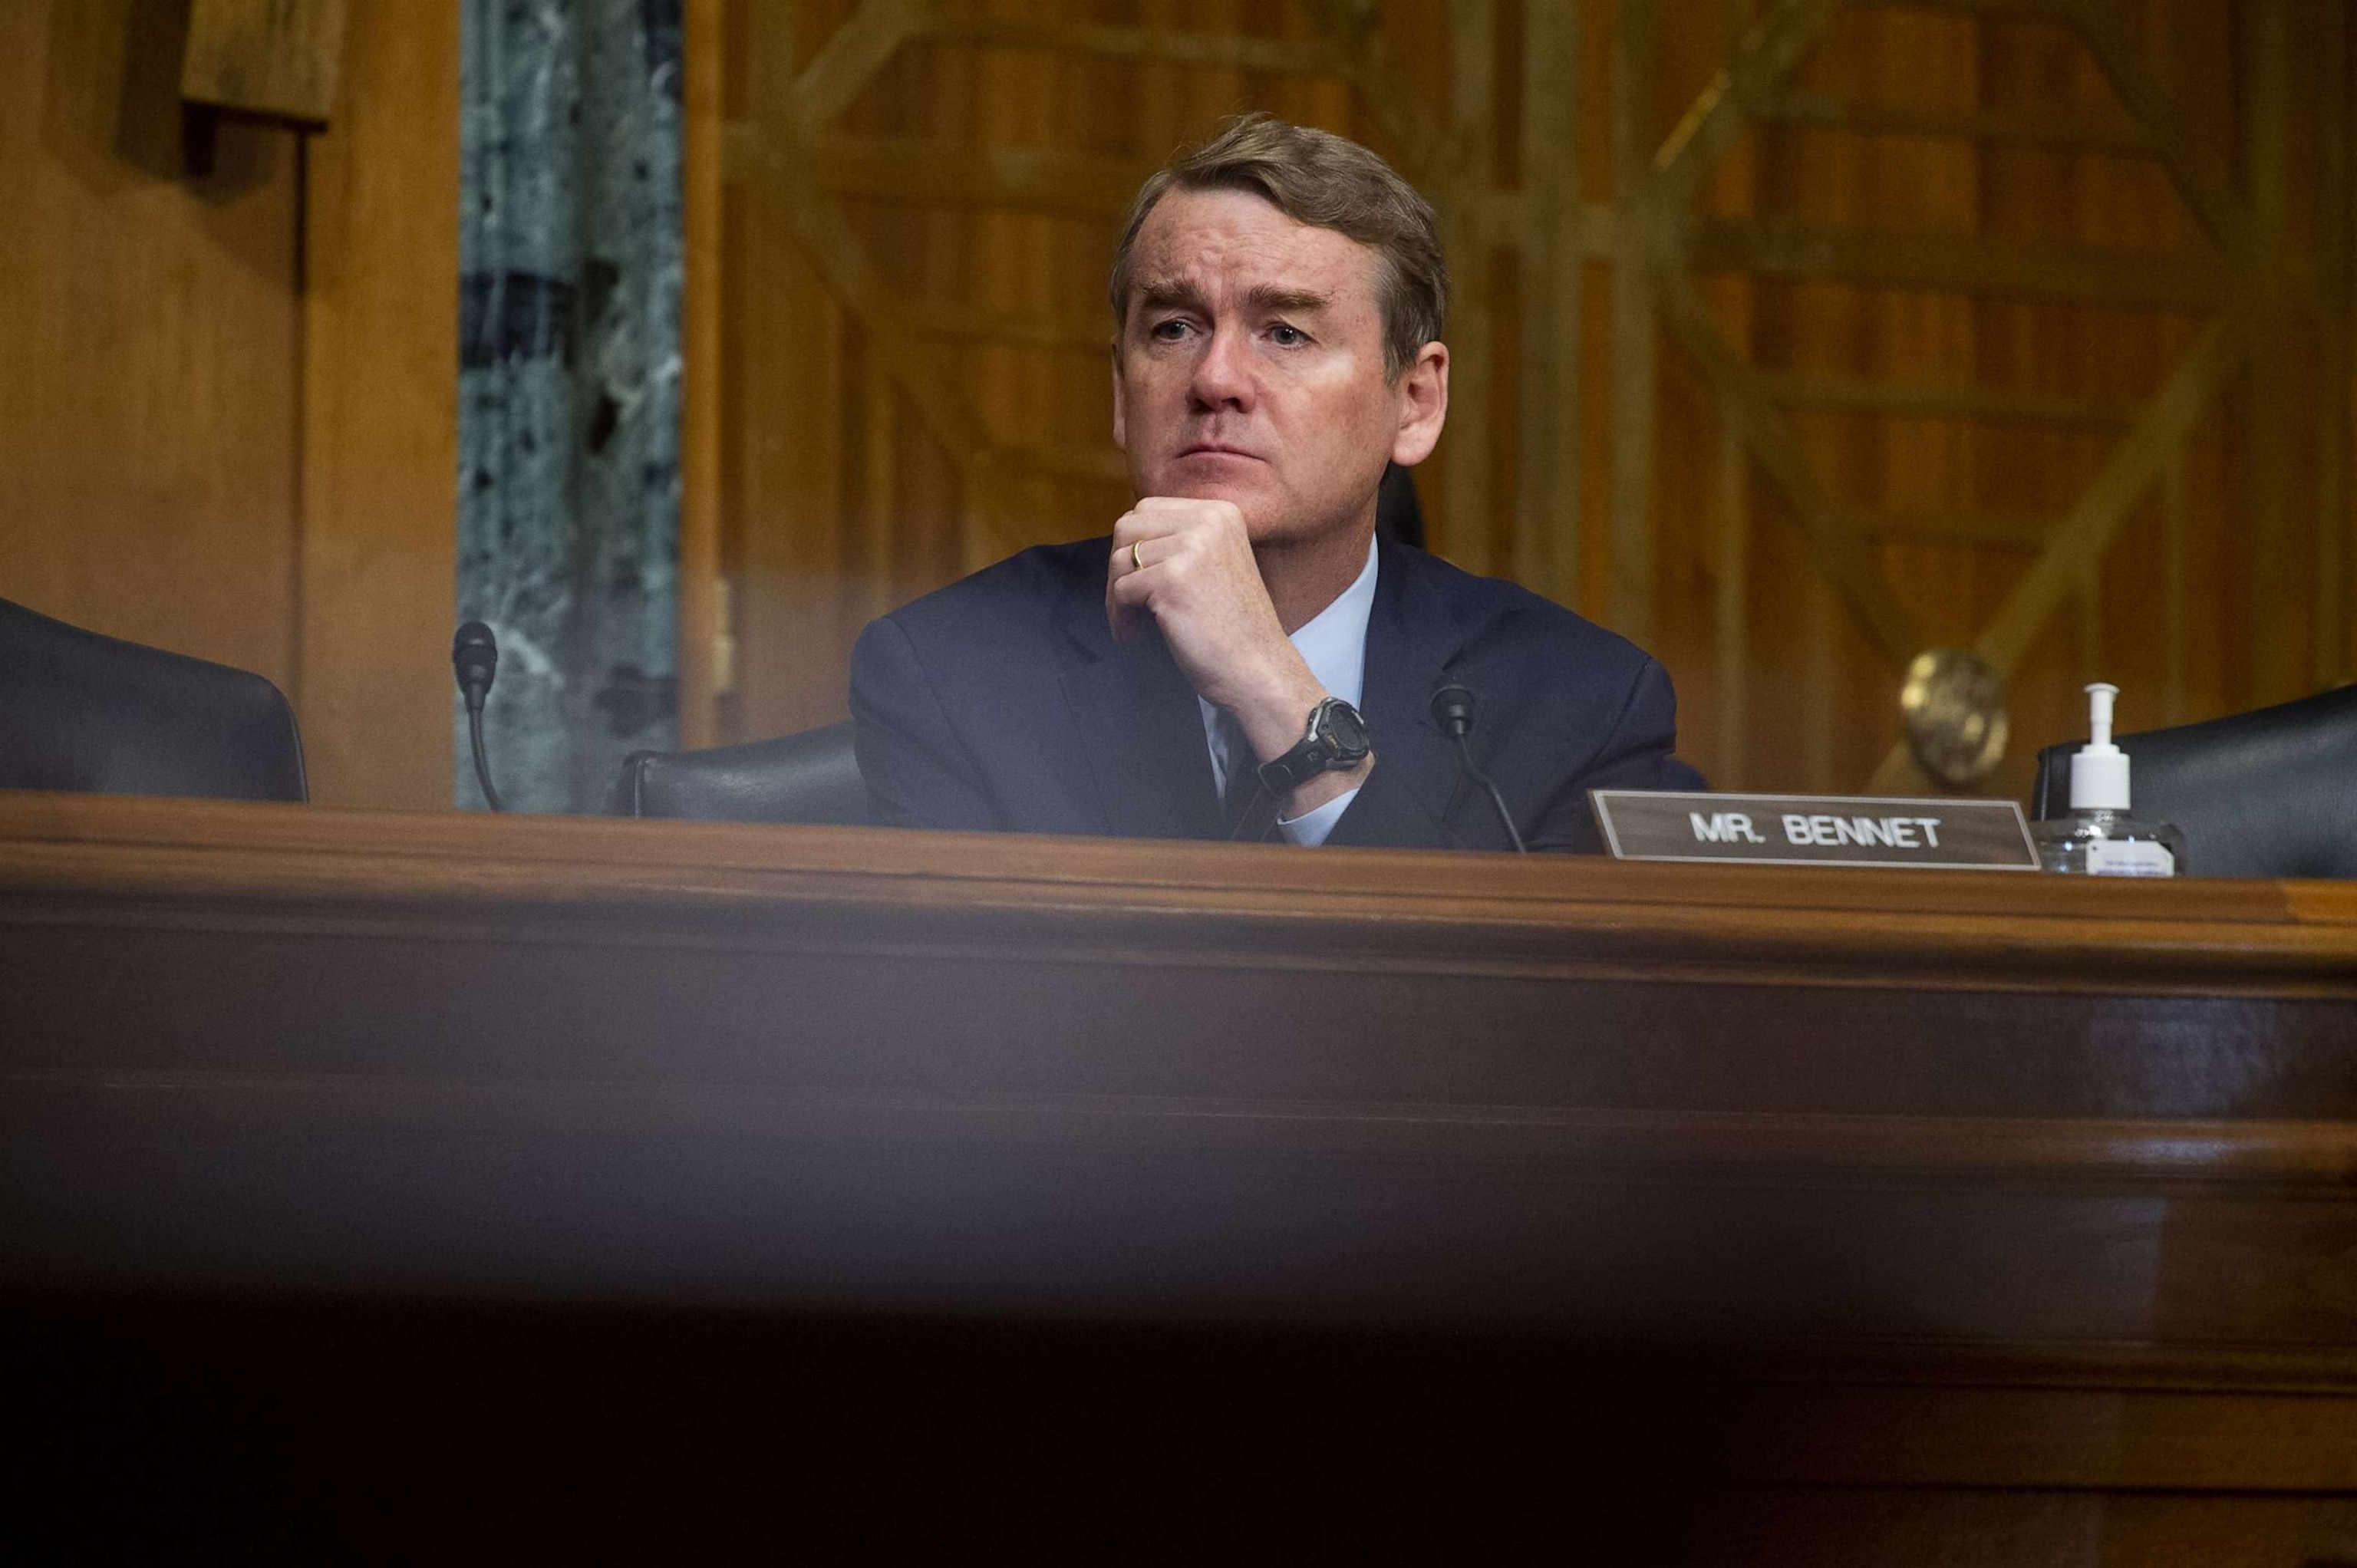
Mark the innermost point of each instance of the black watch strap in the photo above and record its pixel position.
(1336, 737)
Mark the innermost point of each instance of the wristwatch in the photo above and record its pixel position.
(1336, 739)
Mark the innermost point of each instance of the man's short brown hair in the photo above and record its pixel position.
(1328, 182)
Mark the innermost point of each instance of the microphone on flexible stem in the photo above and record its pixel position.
(475, 659)
(1452, 710)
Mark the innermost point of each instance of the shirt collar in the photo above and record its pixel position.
(1334, 641)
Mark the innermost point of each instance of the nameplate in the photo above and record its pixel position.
(1815, 829)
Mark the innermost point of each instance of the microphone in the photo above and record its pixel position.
(475, 659)
(1452, 710)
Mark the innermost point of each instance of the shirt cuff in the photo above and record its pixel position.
(1310, 828)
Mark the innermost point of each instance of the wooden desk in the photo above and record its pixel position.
(1987, 1196)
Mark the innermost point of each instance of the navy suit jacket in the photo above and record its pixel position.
(1003, 702)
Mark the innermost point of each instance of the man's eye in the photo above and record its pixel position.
(1168, 331)
(1287, 335)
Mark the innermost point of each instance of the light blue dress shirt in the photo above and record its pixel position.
(1334, 645)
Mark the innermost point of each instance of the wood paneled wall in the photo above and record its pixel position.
(1794, 338)
(150, 327)
(379, 378)
(228, 366)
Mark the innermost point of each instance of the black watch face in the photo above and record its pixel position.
(1345, 731)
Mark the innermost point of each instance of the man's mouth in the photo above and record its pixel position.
(1214, 449)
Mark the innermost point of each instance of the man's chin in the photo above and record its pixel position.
(1201, 485)
(1270, 515)
(1238, 492)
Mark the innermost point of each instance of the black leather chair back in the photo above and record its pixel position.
(2267, 793)
(1398, 514)
(811, 777)
(79, 711)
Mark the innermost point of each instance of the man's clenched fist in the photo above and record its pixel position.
(1188, 565)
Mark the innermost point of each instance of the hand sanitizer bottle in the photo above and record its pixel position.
(2099, 838)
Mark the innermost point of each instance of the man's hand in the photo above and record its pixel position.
(1192, 571)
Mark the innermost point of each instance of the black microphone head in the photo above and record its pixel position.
(1452, 710)
(475, 658)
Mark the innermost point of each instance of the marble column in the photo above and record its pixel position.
(568, 414)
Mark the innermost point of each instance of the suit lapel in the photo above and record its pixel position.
(1140, 727)
(1412, 633)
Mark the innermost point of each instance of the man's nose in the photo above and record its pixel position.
(1223, 371)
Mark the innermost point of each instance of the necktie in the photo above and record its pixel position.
(1243, 792)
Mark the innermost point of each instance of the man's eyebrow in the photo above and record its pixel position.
(1166, 294)
(1286, 301)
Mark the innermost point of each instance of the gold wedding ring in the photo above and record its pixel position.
(1136, 565)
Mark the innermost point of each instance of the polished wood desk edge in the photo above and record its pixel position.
(2144, 1366)
(682, 848)
(2317, 1158)
(764, 888)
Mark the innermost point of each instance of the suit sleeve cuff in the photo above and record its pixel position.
(1310, 828)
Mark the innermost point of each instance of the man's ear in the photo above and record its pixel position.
(1423, 394)
(1120, 425)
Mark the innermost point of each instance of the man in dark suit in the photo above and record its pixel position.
(1241, 655)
